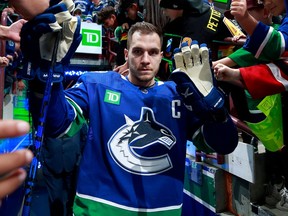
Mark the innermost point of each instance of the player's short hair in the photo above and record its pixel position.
(144, 28)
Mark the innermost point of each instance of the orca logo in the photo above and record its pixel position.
(129, 145)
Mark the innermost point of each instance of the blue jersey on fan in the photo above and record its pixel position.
(83, 5)
(134, 159)
(93, 9)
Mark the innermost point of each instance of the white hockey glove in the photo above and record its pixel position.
(38, 38)
(195, 81)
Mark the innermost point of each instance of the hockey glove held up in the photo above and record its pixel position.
(195, 81)
(38, 38)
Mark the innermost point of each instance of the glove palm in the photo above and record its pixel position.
(195, 82)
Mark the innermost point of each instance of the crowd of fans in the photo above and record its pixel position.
(177, 19)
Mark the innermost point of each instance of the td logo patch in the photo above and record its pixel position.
(91, 37)
(112, 97)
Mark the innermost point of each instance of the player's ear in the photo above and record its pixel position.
(126, 54)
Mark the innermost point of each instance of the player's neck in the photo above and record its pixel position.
(142, 84)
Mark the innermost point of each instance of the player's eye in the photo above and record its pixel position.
(137, 52)
(153, 52)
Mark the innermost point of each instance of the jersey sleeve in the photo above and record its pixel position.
(208, 140)
(243, 58)
(266, 43)
(67, 110)
(221, 144)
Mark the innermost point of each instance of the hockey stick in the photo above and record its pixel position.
(40, 132)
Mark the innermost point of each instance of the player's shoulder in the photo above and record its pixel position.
(99, 76)
(166, 86)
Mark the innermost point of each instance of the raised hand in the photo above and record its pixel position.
(41, 34)
(195, 81)
(238, 9)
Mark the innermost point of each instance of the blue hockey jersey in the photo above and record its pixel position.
(267, 43)
(133, 162)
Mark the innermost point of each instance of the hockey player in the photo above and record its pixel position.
(133, 162)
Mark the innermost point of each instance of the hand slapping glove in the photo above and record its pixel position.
(39, 37)
(196, 83)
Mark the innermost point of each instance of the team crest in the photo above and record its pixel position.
(141, 147)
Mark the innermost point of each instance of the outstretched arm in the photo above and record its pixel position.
(226, 61)
(238, 9)
(48, 42)
(227, 74)
(270, 78)
(264, 42)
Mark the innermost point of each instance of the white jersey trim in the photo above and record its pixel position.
(97, 199)
(68, 128)
(277, 75)
(263, 44)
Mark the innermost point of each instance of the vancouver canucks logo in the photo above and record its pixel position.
(142, 147)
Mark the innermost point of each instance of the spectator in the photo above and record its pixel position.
(78, 12)
(108, 18)
(193, 19)
(29, 9)
(83, 6)
(154, 14)
(264, 42)
(132, 15)
(11, 171)
(275, 171)
(95, 7)
(241, 58)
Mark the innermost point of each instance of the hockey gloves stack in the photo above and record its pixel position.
(38, 39)
(195, 82)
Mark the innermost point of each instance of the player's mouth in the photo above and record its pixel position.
(145, 70)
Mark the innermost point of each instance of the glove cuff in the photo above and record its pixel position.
(207, 108)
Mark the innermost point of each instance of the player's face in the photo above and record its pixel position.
(143, 57)
(29, 8)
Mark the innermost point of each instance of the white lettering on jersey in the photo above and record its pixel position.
(175, 104)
